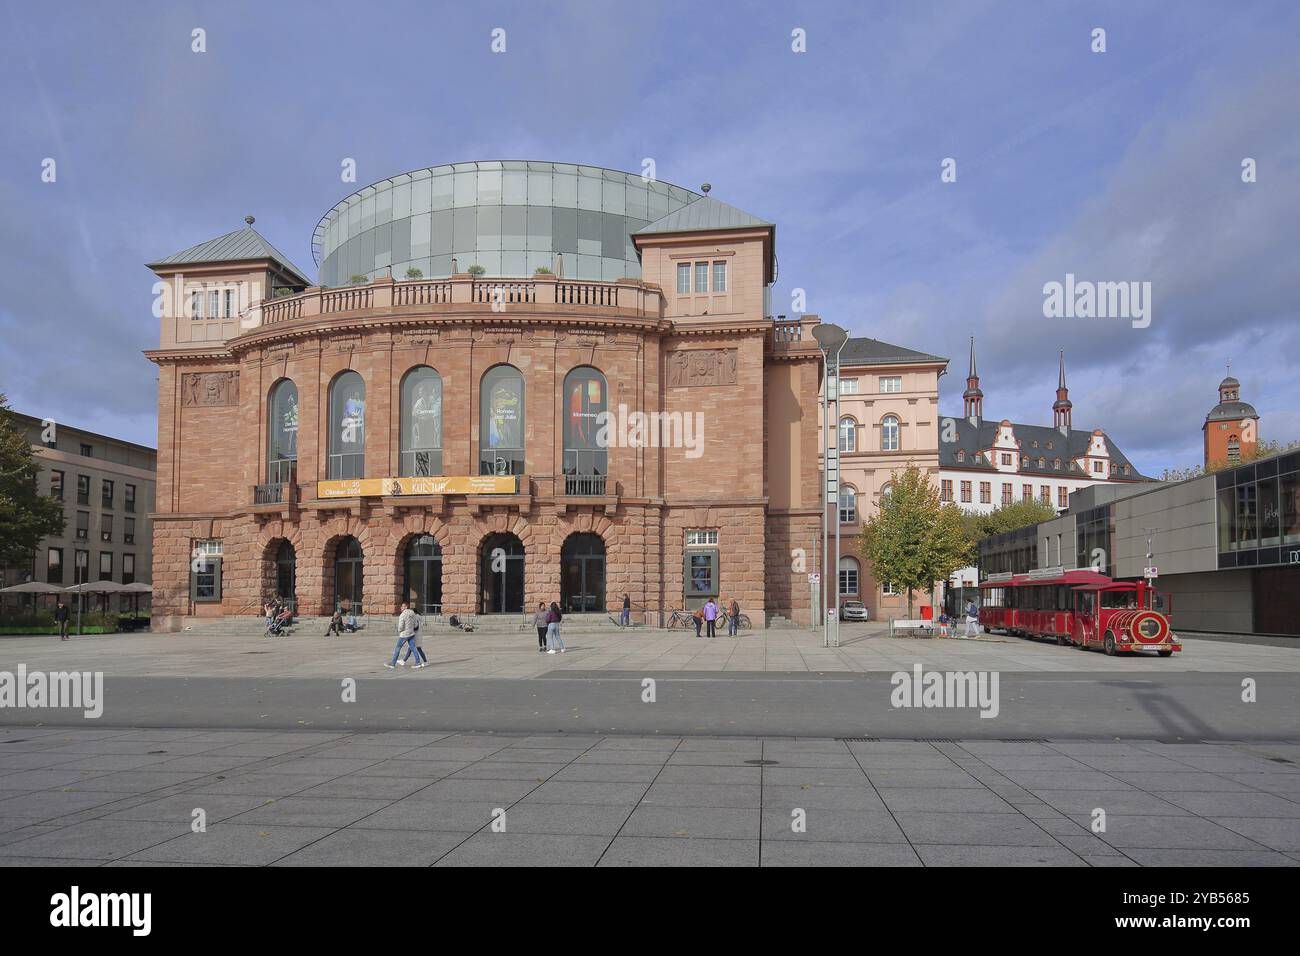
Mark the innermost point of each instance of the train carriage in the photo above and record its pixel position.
(1083, 608)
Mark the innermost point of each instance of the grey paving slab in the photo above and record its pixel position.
(1215, 804)
(303, 811)
(1172, 832)
(1068, 780)
(527, 849)
(906, 777)
(565, 818)
(607, 773)
(581, 793)
(363, 786)
(97, 839)
(263, 783)
(26, 861)
(948, 800)
(953, 855)
(180, 808)
(724, 823)
(1080, 803)
(812, 853)
(1165, 856)
(491, 769)
(702, 795)
(420, 813)
(1274, 833)
(889, 760)
(972, 828)
(669, 851)
(651, 758)
(142, 781)
(1174, 780)
(39, 805)
(833, 826)
(233, 843)
(787, 798)
(676, 773)
(352, 847)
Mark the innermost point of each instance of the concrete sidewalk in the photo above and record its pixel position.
(128, 798)
(219, 651)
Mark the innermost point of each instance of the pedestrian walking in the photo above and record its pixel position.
(710, 617)
(539, 621)
(408, 623)
(733, 617)
(61, 615)
(553, 640)
(626, 617)
(972, 620)
(698, 617)
(336, 624)
(417, 643)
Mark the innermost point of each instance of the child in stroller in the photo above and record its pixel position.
(278, 620)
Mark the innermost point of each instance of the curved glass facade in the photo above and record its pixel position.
(509, 217)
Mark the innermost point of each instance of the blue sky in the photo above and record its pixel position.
(1123, 165)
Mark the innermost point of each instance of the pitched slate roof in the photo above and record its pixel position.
(242, 245)
(706, 213)
(974, 440)
(866, 351)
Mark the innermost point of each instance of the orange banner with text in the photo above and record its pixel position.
(455, 485)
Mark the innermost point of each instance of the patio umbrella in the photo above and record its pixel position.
(135, 589)
(32, 587)
(92, 587)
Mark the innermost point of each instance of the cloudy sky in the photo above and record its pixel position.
(1117, 166)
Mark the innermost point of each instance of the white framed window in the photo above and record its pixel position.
(848, 386)
(891, 383)
(701, 277)
(848, 435)
(196, 305)
(683, 278)
(701, 537)
(214, 304)
(848, 577)
(888, 590)
(889, 433)
(848, 504)
(719, 277)
(209, 546)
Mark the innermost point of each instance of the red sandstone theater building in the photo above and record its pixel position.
(513, 383)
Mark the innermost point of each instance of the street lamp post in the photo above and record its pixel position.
(830, 340)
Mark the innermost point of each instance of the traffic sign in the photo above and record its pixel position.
(814, 578)
(1151, 572)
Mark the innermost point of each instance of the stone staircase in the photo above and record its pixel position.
(386, 625)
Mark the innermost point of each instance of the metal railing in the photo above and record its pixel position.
(585, 485)
(785, 331)
(273, 493)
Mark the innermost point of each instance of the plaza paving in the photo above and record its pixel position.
(126, 797)
(223, 650)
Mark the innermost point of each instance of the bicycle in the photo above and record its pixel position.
(680, 618)
(743, 622)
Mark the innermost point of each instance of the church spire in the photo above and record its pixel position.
(1062, 407)
(973, 397)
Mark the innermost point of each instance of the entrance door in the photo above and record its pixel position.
(423, 589)
(348, 566)
(286, 575)
(501, 574)
(582, 573)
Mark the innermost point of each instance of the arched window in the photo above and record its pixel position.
(848, 435)
(349, 563)
(886, 490)
(1234, 449)
(848, 504)
(421, 422)
(347, 439)
(501, 422)
(889, 433)
(582, 573)
(586, 460)
(848, 577)
(282, 432)
(286, 581)
(423, 587)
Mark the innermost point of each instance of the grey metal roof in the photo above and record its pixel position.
(1231, 411)
(866, 351)
(239, 246)
(974, 440)
(706, 213)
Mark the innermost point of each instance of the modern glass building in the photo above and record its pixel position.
(510, 217)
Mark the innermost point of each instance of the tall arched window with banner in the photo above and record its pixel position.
(421, 422)
(586, 457)
(347, 439)
(501, 422)
(282, 433)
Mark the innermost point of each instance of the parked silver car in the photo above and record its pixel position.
(854, 611)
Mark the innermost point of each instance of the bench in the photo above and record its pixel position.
(911, 626)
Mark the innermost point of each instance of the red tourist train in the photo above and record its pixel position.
(1083, 608)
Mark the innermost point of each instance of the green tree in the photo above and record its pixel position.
(914, 539)
(1265, 449)
(1018, 514)
(25, 516)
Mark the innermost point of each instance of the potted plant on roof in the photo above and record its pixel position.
(414, 273)
(476, 270)
(358, 279)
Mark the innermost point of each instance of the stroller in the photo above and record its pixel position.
(462, 625)
(280, 621)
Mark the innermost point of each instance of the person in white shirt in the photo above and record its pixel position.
(408, 625)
